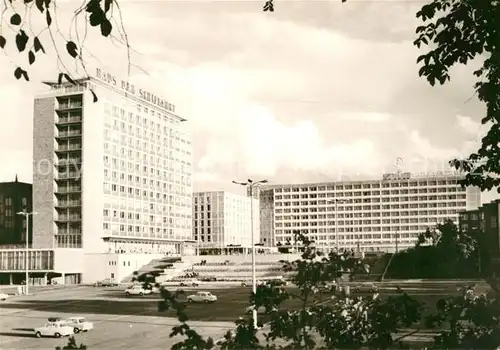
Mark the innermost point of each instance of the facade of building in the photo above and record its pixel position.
(374, 215)
(15, 197)
(484, 223)
(111, 176)
(222, 219)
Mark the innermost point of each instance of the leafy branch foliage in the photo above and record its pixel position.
(97, 13)
(440, 252)
(470, 321)
(71, 345)
(458, 31)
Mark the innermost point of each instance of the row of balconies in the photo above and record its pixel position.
(68, 175)
(69, 232)
(359, 225)
(310, 223)
(68, 133)
(70, 104)
(377, 199)
(69, 203)
(313, 204)
(69, 120)
(387, 228)
(373, 213)
(410, 184)
(68, 189)
(67, 218)
(69, 161)
(69, 147)
(375, 194)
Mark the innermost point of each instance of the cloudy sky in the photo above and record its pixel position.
(316, 91)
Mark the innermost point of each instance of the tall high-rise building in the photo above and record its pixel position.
(15, 197)
(222, 219)
(374, 215)
(112, 175)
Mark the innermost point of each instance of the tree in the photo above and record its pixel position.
(71, 345)
(103, 14)
(469, 321)
(147, 280)
(325, 319)
(440, 252)
(458, 31)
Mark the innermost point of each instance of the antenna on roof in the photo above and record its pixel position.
(399, 165)
(16, 179)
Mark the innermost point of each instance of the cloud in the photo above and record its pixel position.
(259, 144)
(366, 116)
(468, 125)
(301, 95)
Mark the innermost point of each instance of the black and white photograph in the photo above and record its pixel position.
(250, 174)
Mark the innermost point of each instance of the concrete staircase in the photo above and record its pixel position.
(179, 269)
(378, 267)
(149, 267)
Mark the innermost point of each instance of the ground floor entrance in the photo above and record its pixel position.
(39, 278)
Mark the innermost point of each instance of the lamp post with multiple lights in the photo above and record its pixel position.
(251, 185)
(27, 214)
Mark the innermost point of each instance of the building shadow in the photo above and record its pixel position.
(17, 335)
(122, 295)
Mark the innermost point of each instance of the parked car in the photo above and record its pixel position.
(79, 324)
(54, 329)
(190, 282)
(202, 297)
(137, 290)
(4, 296)
(209, 279)
(367, 287)
(107, 282)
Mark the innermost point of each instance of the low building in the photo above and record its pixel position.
(15, 197)
(222, 221)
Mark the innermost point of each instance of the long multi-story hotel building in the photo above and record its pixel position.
(222, 220)
(375, 215)
(111, 178)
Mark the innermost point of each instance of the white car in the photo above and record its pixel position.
(3, 296)
(137, 290)
(190, 282)
(79, 324)
(202, 297)
(54, 329)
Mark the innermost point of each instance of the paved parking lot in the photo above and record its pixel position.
(135, 321)
(20, 315)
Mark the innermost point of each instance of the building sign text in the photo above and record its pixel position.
(131, 89)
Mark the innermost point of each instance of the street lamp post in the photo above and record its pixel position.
(26, 214)
(251, 184)
(336, 202)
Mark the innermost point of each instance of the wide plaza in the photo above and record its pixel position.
(122, 321)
